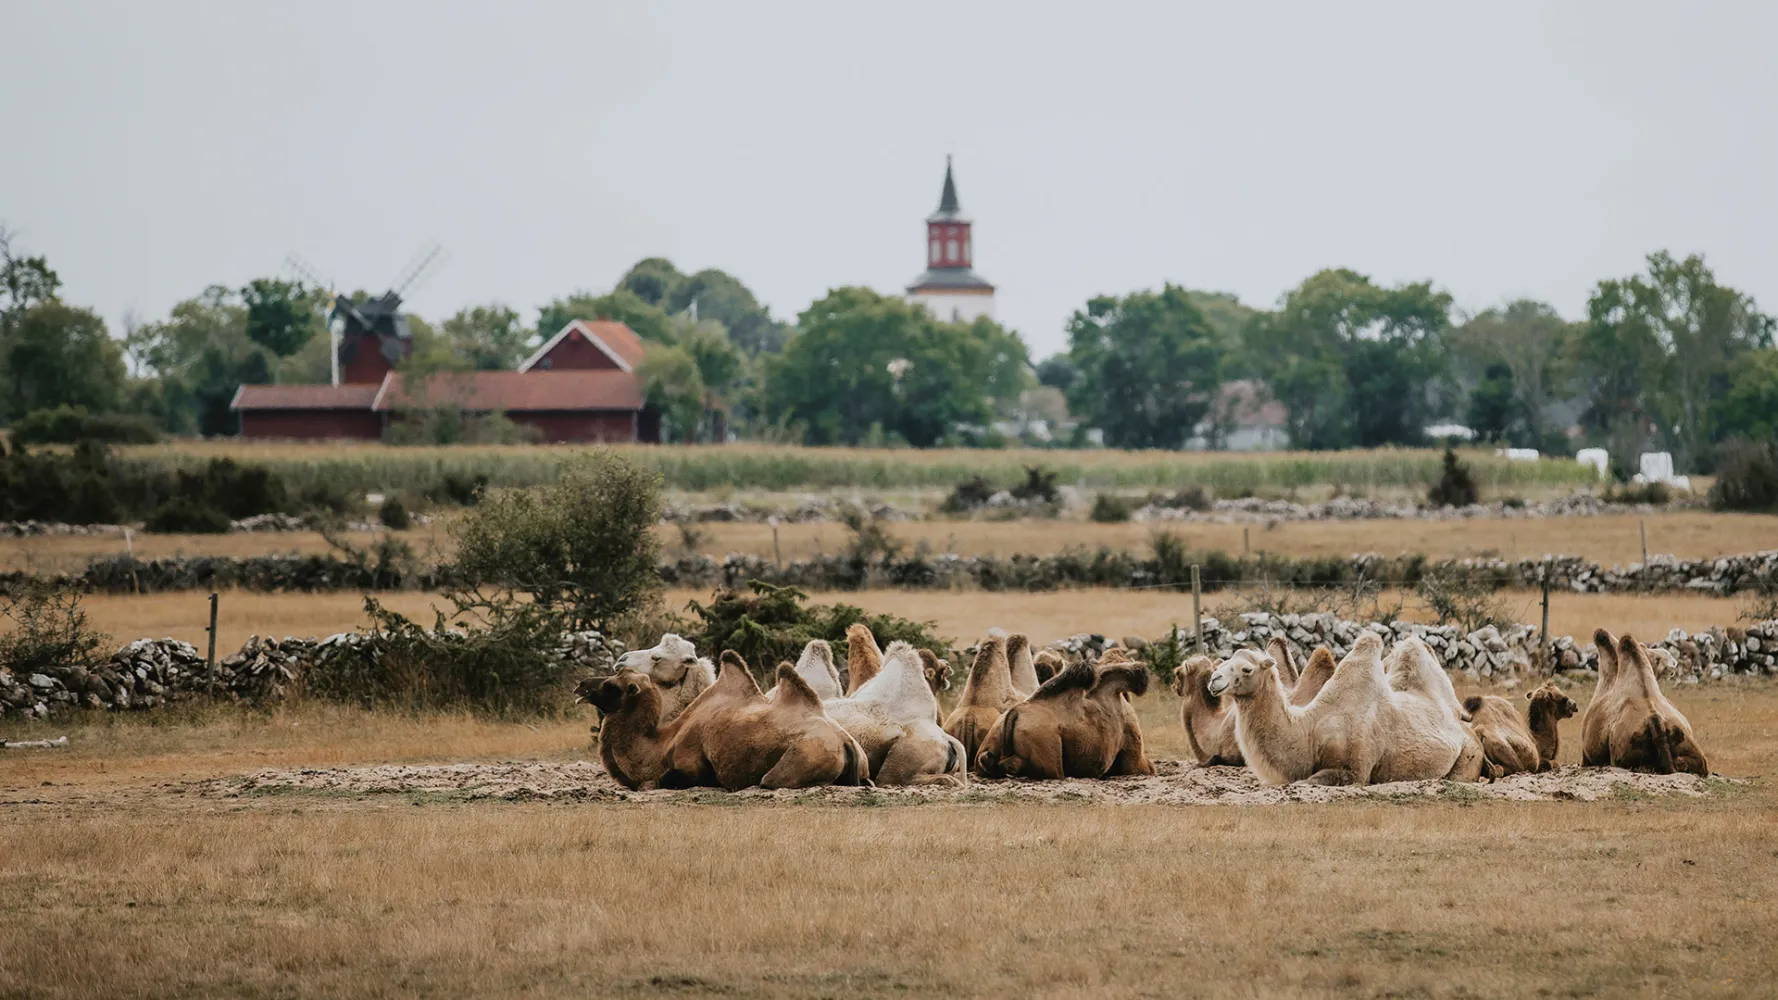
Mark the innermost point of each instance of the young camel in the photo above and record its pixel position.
(731, 736)
(863, 658)
(1079, 724)
(892, 718)
(1360, 729)
(1209, 720)
(1549, 706)
(1630, 723)
(676, 669)
(1506, 740)
(986, 693)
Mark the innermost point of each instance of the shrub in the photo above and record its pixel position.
(1109, 508)
(393, 513)
(327, 497)
(186, 516)
(1465, 599)
(1746, 476)
(1658, 494)
(69, 424)
(968, 495)
(768, 624)
(1189, 498)
(1165, 655)
(236, 490)
(582, 547)
(462, 489)
(1455, 486)
(47, 629)
(1039, 484)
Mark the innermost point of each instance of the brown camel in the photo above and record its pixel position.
(986, 693)
(1079, 724)
(1507, 744)
(1630, 723)
(937, 671)
(731, 736)
(863, 658)
(1047, 663)
(1209, 720)
(1549, 706)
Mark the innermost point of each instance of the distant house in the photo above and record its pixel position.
(1243, 417)
(580, 386)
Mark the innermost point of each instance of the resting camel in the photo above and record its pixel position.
(731, 736)
(1549, 706)
(1362, 728)
(1021, 665)
(1047, 663)
(1630, 723)
(1209, 720)
(676, 669)
(1506, 739)
(892, 718)
(816, 668)
(986, 693)
(937, 671)
(1079, 724)
(863, 658)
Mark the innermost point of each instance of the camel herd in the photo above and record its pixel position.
(670, 719)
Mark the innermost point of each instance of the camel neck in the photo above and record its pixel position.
(1544, 724)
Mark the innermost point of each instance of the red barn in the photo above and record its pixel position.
(580, 386)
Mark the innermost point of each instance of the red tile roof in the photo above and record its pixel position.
(606, 389)
(305, 397)
(615, 337)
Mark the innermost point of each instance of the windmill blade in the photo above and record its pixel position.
(294, 263)
(421, 266)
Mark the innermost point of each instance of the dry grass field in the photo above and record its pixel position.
(1613, 540)
(118, 880)
(959, 615)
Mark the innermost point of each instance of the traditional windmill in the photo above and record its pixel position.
(370, 335)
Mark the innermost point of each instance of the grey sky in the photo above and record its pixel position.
(1501, 150)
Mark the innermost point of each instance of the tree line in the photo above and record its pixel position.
(1666, 358)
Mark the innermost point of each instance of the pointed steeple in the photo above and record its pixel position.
(947, 202)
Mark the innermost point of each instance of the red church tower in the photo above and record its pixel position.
(950, 287)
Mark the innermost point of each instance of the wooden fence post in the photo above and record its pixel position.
(1197, 614)
(210, 659)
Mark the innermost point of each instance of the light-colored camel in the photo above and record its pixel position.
(1549, 706)
(1079, 724)
(1021, 666)
(676, 669)
(1209, 720)
(892, 718)
(731, 736)
(1630, 723)
(863, 657)
(816, 667)
(986, 693)
(1360, 729)
(1506, 739)
(1047, 663)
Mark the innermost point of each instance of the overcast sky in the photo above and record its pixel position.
(1500, 150)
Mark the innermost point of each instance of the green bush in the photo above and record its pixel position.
(769, 624)
(45, 629)
(1746, 476)
(462, 489)
(1109, 508)
(582, 547)
(187, 516)
(393, 513)
(1658, 494)
(1039, 484)
(968, 495)
(69, 424)
(1455, 487)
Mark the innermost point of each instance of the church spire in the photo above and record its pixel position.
(947, 202)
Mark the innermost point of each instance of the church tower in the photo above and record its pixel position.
(950, 288)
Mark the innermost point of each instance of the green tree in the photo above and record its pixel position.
(650, 322)
(1660, 346)
(1750, 407)
(653, 280)
(721, 297)
(1494, 411)
(57, 355)
(1149, 366)
(24, 282)
(1535, 345)
(672, 384)
(489, 338)
(1354, 364)
(199, 356)
(282, 316)
(860, 361)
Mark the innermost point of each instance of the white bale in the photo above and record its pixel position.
(1657, 466)
(1598, 458)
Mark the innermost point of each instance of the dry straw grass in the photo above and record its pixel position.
(114, 887)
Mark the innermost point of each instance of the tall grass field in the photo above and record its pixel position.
(700, 468)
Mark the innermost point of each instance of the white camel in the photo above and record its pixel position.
(892, 718)
(1365, 726)
(676, 669)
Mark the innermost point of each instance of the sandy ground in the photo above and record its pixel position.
(1178, 783)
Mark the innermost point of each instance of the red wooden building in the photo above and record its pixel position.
(580, 386)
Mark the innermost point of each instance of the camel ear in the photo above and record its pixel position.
(632, 689)
(1529, 695)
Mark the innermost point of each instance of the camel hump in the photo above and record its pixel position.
(1079, 677)
(1604, 639)
(792, 689)
(1472, 704)
(1280, 651)
(734, 677)
(1133, 677)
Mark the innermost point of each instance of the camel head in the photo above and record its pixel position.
(665, 664)
(623, 690)
(937, 671)
(1193, 674)
(1048, 663)
(1552, 699)
(1242, 674)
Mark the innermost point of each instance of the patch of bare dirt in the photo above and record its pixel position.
(1178, 783)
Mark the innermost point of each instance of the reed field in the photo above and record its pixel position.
(120, 877)
(1608, 540)
(374, 467)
